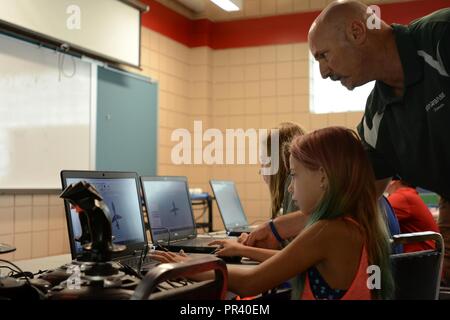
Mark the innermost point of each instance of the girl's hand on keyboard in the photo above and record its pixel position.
(227, 248)
(168, 257)
(243, 237)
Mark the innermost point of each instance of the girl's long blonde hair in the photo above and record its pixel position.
(287, 131)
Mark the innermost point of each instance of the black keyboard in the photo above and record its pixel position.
(197, 242)
(134, 262)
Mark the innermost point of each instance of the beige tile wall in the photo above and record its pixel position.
(185, 82)
(255, 87)
(34, 224)
(184, 77)
(233, 88)
(260, 87)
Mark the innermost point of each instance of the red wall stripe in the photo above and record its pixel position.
(201, 33)
(168, 22)
(262, 31)
(281, 29)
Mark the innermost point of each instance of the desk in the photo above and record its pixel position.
(53, 262)
(47, 263)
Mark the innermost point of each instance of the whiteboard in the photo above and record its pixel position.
(107, 28)
(45, 116)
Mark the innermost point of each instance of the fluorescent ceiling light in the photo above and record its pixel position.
(228, 5)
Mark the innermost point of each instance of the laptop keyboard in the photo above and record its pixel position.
(197, 242)
(134, 262)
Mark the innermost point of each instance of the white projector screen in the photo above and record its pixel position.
(105, 28)
(45, 117)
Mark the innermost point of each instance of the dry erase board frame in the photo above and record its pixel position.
(141, 87)
(45, 123)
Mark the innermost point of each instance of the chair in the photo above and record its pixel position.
(444, 294)
(417, 275)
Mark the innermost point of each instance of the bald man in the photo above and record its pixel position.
(406, 124)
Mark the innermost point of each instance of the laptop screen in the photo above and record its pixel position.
(229, 204)
(169, 208)
(122, 198)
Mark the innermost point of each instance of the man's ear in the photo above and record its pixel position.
(356, 32)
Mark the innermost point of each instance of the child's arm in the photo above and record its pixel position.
(288, 226)
(308, 249)
(233, 248)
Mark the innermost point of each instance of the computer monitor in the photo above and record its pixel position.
(229, 204)
(169, 208)
(121, 193)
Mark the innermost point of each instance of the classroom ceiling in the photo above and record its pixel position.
(205, 9)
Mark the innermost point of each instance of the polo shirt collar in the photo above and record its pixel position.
(412, 66)
(411, 63)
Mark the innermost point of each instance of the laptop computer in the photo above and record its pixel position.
(170, 214)
(121, 193)
(230, 207)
